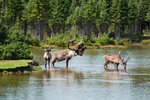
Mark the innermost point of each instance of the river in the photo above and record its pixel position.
(85, 79)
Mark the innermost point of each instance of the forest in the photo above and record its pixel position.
(30, 22)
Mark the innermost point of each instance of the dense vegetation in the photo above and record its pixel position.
(97, 21)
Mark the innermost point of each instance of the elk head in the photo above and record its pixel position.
(124, 62)
(80, 47)
(47, 50)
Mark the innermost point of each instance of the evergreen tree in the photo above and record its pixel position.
(102, 16)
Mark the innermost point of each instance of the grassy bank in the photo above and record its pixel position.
(7, 64)
(17, 66)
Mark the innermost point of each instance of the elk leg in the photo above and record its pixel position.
(105, 65)
(116, 66)
(67, 61)
(124, 68)
(45, 63)
(53, 62)
(49, 64)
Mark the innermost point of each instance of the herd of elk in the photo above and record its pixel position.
(51, 58)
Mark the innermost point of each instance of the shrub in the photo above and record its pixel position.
(120, 42)
(16, 50)
(111, 35)
(104, 40)
(30, 40)
(135, 38)
(61, 39)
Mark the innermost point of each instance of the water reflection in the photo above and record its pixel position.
(64, 75)
(111, 74)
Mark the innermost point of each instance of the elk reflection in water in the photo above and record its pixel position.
(113, 74)
(66, 75)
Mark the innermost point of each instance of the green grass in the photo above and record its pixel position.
(146, 41)
(11, 64)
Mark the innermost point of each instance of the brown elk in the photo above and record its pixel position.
(67, 54)
(116, 60)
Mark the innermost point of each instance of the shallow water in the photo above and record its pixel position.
(85, 80)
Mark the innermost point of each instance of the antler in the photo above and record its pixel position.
(119, 54)
(71, 42)
(128, 59)
(79, 45)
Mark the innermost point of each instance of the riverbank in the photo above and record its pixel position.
(124, 44)
(17, 66)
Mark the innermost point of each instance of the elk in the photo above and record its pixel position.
(67, 54)
(47, 57)
(116, 60)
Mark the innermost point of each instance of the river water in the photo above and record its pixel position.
(85, 79)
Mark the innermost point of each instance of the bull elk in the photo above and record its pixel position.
(67, 54)
(116, 60)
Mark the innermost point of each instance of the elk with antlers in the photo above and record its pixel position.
(116, 60)
(67, 54)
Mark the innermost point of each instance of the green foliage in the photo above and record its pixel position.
(31, 40)
(146, 42)
(33, 10)
(132, 11)
(115, 11)
(16, 50)
(135, 38)
(104, 40)
(36, 17)
(123, 42)
(3, 34)
(102, 15)
(111, 35)
(148, 13)
(61, 39)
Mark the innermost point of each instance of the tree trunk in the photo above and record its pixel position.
(41, 29)
(79, 27)
(88, 29)
(62, 28)
(117, 31)
(138, 27)
(25, 28)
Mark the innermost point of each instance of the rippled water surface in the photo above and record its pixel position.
(85, 80)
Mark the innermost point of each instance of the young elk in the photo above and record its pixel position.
(47, 57)
(67, 54)
(116, 60)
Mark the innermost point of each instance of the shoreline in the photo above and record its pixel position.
(17, 66)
